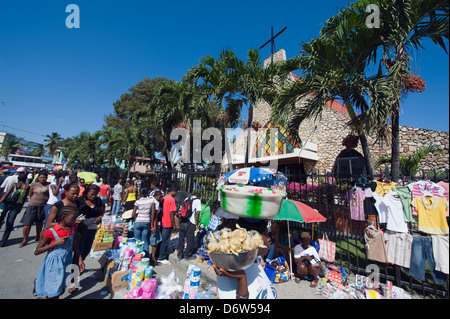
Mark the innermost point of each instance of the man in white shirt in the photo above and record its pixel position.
(187, 231)
(117, 196)
(307, 260)
(12, 179)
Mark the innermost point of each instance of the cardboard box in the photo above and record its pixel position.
(101, 245)
(117, 280)
(108, 269)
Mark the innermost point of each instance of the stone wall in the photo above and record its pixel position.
(331, 129)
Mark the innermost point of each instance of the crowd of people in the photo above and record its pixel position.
(66, 212)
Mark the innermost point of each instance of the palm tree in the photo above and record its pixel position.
(10, 146)
(38, 150)
(212, 77)
(52, 142)
(235, 83)
(127, 144)
(332, 69)
(177, 104)
(403, 27)
(83, 151)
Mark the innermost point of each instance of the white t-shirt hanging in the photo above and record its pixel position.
(395, 215)
(381, 208)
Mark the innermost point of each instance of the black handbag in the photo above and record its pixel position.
(13, 196)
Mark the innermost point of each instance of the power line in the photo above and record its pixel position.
(18, 129)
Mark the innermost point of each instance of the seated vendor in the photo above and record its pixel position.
(307, 260)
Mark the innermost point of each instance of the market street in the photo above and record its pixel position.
(19, 267)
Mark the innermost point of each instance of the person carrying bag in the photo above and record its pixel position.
(14, 198)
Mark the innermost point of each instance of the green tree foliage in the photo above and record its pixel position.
(10, 146)
(52, 142)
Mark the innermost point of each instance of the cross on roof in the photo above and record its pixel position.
(272, 42)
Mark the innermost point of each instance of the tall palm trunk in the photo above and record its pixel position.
(364, 144)
(249, 126)
(395, 143)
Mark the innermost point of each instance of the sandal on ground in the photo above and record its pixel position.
(297, 280)
(313, 283)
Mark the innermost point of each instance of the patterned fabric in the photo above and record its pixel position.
(422, 188)
(327, 250)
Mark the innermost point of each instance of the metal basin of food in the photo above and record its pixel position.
(233, 262)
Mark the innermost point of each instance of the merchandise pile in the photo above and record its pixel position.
(108, 235)
(127, 270)
(335, 285)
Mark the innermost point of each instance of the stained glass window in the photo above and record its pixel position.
(283, 142)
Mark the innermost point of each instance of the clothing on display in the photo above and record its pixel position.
(406, 198)
(423, 188)
(384, 187)
(445, 186)
(431, 210)
(440, 253)
(421, 252)
(398, 247)
(392, 205)
(375, 245)
(423, 203)
(356, 201)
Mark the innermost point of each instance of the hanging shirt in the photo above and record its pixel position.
(384, 188)
(356, 202)
(369, 202)
(405, 197)
(398, 248)
(395, 215)
(431, 210)
(423, 188)
(445, 186)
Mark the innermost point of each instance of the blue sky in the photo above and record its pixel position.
(55, 79)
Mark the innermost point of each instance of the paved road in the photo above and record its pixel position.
(19, 267)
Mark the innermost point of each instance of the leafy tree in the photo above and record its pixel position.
(137, 98)
(52, 142)
(83, 151)
(409, 165)
(177, 104)
(331, 69)
(10, 146)
(404, 24)
(234, 83)
(39, 150)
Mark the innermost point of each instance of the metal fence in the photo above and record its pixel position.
(328, 195)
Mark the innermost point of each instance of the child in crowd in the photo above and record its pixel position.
(59, 243)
